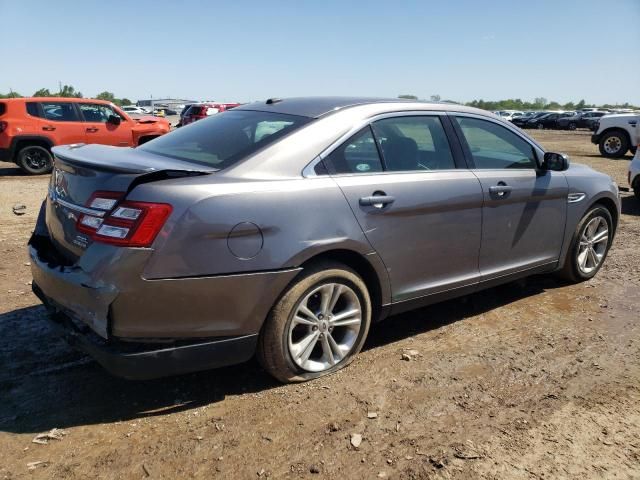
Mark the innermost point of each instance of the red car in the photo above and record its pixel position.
(199, 111)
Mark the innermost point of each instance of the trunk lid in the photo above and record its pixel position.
(80, 171)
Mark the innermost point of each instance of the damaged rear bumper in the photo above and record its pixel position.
(140, 361)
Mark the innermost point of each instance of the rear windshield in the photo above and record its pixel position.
(222, 140)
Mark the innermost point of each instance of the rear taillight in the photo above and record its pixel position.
(124, 223)
(3, 126)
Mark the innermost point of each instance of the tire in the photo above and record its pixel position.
(613, 144)
(35, 160)
(572, 269)
(540, 126)
(636, 188)
(281, 347)
(572, 126)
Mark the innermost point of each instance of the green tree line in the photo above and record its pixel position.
(539, 103)
(70, 92)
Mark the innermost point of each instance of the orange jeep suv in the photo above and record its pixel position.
(29, 127)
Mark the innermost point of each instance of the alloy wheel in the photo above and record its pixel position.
(325, 327)
(35, 159)
(593, 245)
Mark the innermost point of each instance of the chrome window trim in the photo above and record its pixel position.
(309, 172)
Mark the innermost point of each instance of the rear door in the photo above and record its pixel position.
(99, 130)
(60, 122)
(419, 211)
(524, 212)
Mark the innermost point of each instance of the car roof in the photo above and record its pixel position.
(315, 107)
(56, 99)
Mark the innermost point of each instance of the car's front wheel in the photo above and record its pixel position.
(540, 126)
(589, 245)
(572, 126)
(317, 326)
(35, 160)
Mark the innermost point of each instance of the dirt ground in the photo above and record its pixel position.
(533, 379)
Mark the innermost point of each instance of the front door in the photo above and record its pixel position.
(419, 212)
(524, 212)
(99, 130)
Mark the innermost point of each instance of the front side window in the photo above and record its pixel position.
(495, 147)
(222, 140)
(97, 113)
(59, 111)
(413, 144)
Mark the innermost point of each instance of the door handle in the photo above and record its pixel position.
(92, 129)
(48, 128)
(377, 201)
(501, 190)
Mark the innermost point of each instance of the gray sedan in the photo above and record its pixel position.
(285, 228)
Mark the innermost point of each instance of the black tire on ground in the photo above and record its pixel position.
(34, 159)
(636, 188)
(570, 270)
(273, 350)
(540, 126)
(613, 144)
(144, 140)
(572, 126)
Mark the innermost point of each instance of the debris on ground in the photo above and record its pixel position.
(53, 434)
(372, 414)
(356, 440)
(36, 464)
(19, 209)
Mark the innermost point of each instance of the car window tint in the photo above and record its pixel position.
(59, 112)
(32, 109)
(413, 144)
(93, 112)
(222, 140)
(493, 146)
(357, 155)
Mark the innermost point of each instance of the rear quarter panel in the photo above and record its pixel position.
(297, 218)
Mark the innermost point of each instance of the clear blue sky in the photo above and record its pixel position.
(245, 50)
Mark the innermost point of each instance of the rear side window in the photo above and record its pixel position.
(59, 112)
(495, 147)
(413, 144)
(32, 109)
(220, 141)
(3, 108)
(359, 154)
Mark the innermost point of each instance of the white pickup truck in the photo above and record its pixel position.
(617, 134)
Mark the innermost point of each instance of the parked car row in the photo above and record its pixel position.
(197, 111)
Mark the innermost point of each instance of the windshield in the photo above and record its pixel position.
(222, 140)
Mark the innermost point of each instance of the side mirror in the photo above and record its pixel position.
(557, 162)
(114, 120)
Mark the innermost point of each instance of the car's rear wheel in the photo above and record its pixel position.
(35, 160)
(589, 245)
(613, 144)
(540, 126)
(317, 326)
(636, 188)
(572, 126)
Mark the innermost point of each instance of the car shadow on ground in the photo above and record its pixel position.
(630, 205)
(46, 384)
